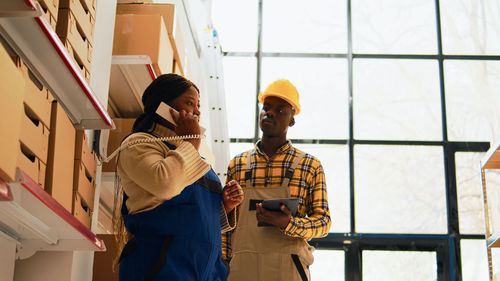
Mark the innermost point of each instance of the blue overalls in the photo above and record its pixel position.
(179, 239)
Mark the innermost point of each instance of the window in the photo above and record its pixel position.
(287, 26)
(397, 265)
(399, 100)
(394, 27)
(399, 189)
(322, 86)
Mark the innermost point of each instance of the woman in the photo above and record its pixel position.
(174, 207)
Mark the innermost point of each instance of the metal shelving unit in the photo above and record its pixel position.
(32, 37)
(490, 161)
(34, 219)
(130, 75)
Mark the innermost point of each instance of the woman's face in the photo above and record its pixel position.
(189, 101)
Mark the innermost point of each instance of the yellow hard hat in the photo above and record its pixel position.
(283, 89)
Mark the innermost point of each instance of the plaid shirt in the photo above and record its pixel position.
(313, 217)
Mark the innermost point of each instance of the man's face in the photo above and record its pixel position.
(276, 116)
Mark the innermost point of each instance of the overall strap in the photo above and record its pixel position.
(211, 185)
(124, 210)
(248, 169)
(291, 169)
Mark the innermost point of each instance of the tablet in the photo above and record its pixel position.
(275, 204)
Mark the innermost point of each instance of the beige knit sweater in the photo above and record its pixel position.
(151, 173)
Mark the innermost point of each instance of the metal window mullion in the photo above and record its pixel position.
(351, 117)
(455, 266)
(259, 67)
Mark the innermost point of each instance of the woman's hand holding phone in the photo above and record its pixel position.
(232, 195)
(187, 124)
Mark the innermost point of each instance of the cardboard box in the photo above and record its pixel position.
(34, 135)
(51, 6)
(11, 113)
(103, 261)
(60, 161)
(67, 30)
(84, 153)
(116, 136)
(167, 11)
(37, 97)
(50, 18)
(81, 210)
(88, 5)
(83, 70)
(31, 165)
(144, 35)
(84, 19)
(84, 183)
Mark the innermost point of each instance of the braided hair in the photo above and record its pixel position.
(165, 88)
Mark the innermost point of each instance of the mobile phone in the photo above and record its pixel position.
(164, 111)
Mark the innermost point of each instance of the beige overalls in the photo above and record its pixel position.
(265, 253)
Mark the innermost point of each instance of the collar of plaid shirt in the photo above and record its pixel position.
(282, 149)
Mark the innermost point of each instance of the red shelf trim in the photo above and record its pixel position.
(5, 194)
(151, 71)
(31, 4)
(58, 46)
(50, 202)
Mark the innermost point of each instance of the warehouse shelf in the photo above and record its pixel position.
(35, 219)
(494, 241)
(490, 161)
(34, 40)
(130, 75)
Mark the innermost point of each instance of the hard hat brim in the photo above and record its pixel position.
(263, 95)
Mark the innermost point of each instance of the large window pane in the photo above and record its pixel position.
(301, 27)
(495, 258)
(469, 190)
(474, 260)
(470, 27)
(236, 23)
(472, 100)
(394, 26)
(399, 189)
(397, 266)
(237, 148)
(335, 162)
(239, 82)
(397, 99)
(328, 265)
(322, 86)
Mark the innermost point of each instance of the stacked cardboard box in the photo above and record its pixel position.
(144, 35)
(59, 177)
(50, 9)
(85, 165)
(35, 128)
(75, 27)
(11, 113)
(167, 11)
(71, 167)
(103, 261)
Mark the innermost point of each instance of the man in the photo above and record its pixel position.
(276, 169)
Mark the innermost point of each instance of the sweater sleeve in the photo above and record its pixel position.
(160, 171)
